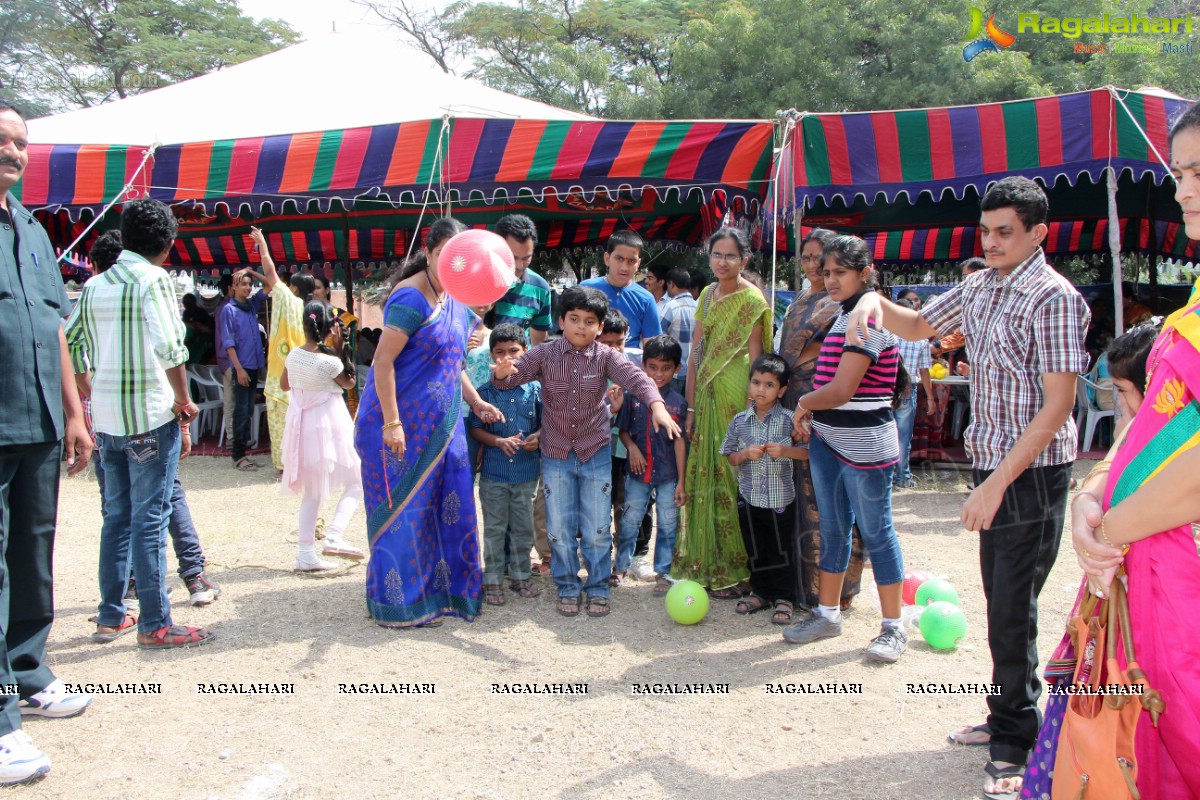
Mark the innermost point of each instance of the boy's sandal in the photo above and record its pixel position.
(997, 774)
(728, 593)
(524, 587)
(662, 584)
(175, 636)
(109, 633)
(751, 604)
(782, 614)
(541, 567)
(568, 606)
(493, 594)
(597, 607)
(246, 465)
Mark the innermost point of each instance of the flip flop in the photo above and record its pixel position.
(128, 624)
(997, 774)
(953, 735)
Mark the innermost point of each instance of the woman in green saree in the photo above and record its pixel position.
(733, 327)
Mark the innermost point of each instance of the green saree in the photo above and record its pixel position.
(709, 549)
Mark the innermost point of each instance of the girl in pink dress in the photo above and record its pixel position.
(318, 440)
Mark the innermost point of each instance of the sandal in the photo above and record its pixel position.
(524, 587)
(597, 607)
(541, 567)
(956, 737)
(998, 774)
(245, 465)
(568, 606)
(751, 604)
(728, 593)
(174, 636)
(342, 550)
(110, 633)
(662, 584)
(493, 594)
(782, 614)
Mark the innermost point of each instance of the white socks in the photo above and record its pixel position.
(831, 613)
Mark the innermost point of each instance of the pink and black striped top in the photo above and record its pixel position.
(863, 431)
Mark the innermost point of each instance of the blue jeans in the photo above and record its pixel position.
(184, 537)
(906, 418)
(579, 500)
(637, 498)
(847, 495)
(139, 475)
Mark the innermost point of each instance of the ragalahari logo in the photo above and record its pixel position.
(994, 41)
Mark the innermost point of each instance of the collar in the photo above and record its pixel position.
(774, 411)
(1025, 272)
(590, 350)
(848, 305)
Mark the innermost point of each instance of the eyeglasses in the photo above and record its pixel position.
(728, 258)
(817, 259)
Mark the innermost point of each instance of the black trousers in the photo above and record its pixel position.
(620, 468)
(770, 550)
(28, 515)
(1015, 557)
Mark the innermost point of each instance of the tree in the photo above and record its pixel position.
(85, 52)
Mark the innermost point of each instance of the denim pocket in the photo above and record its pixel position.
(142, 449)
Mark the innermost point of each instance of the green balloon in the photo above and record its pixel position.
(687, 602)
(943, 625)
(936, 590)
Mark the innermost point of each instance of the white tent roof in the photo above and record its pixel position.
(336, 81)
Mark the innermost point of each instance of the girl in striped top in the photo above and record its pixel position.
(853, 451)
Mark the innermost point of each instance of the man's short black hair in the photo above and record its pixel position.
(973, 264)
(680, 277)
(771, 364)
(7, 106)
(626, 237)
(583, 298)
(225, 282)
(615, 322)
(1021, 195)
(507, 332)
(518, 226)
(664, 347)
(147, 227)
(105, 250)
(659, 271)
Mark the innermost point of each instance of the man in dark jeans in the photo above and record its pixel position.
(42, 414)
(239, 340)
(1024, 325)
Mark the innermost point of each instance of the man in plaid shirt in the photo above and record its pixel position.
(1024, 326)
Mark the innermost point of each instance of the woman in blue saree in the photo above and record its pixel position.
(420, 499)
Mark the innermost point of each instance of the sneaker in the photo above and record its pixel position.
(642, 569)
(311, 563)
(55, 701)
(201, 590)
(20, 760)
(888, 646)
(816, 626)
(906, 483)
(131, 594)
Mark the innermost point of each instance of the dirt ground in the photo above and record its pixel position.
(464, 741)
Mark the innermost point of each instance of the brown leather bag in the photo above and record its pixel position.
(1096, 759)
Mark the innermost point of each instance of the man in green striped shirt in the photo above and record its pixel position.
(127, 330)
(527, 302)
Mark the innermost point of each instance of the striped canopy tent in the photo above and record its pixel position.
(911, 180)
(254, 142)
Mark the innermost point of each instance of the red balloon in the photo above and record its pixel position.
(912, 581)
(476, 267)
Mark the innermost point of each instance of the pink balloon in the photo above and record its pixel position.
(476, 267)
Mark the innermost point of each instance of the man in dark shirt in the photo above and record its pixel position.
(42, 415)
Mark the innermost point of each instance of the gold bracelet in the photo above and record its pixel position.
(387, 425)
(1101, 468)
(1104, 536)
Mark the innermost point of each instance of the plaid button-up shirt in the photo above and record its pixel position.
(767, 482)
(679, 320)
(1017, 328)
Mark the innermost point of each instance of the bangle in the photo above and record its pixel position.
(1101, 468)
(181, 402)
(395, 424)
(1104, 536)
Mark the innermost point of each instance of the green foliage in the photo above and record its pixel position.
(74, 53)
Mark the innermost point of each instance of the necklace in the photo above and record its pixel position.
(441, 298)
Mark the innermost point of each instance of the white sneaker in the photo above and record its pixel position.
(20, 760)
(642, 570)
(55, 701)
(311, 563)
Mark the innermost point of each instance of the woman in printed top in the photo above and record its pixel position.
(853, 451)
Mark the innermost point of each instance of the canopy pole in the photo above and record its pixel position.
(1153, 244)
(1114, 246)
(346, 260)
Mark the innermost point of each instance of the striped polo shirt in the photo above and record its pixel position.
(863, 431)
(526, 303)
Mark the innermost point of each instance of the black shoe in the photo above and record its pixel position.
(201, 590)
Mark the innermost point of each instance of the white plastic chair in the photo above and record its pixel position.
(1087, 412)
(209, 396)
